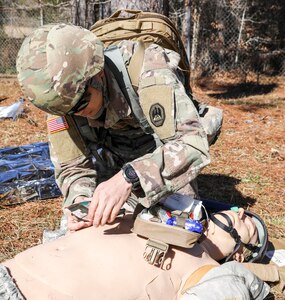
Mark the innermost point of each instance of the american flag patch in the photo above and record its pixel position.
(57, 124)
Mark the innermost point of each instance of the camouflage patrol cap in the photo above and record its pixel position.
(55, 62)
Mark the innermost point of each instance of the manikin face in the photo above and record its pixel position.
(244, 225)
(221, 243)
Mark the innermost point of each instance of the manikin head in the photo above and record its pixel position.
(221, 244)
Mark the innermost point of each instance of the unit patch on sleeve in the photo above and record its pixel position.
(56, 124)
(157, 115)
(157, 103)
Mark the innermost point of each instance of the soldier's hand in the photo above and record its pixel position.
(73, 224)
(108, 198)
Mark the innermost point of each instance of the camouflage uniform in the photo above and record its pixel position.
(165, 163)
(169, 168)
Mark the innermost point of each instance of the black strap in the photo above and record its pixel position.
(93, 138)
(89, 133)
(230, 229)
(116, 64)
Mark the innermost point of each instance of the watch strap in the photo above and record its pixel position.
(131, 176)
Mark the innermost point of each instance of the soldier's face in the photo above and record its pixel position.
(95, 104)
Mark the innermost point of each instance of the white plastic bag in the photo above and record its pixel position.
(13, 110)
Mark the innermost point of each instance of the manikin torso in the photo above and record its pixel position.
(102, 263)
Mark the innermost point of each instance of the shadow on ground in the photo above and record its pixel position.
(222, 188)
(240, 90)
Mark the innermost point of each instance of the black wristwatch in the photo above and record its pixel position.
(131, 176)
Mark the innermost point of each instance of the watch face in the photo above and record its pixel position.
(131, 173)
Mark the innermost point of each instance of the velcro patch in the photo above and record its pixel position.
(56, 124)
(157, 103)
(157, 115)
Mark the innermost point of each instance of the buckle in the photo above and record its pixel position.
(155, 252)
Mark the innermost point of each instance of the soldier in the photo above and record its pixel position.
(104, 148)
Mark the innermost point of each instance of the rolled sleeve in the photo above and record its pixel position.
(76, 178)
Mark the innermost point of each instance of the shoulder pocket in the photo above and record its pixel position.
(66, 144)
(157, 102)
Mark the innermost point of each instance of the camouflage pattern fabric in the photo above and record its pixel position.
(231, 280)
(171, 167)
(8, 288)
(59, 80)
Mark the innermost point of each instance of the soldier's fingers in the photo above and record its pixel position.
(99, 213)
(73, 224)
(113, 214)
(72, 227)
(92, 207)
(106, 215)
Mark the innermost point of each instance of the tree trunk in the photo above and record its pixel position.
(79, 12)
(131, 4)
(196, 29)
(84, 13)
(166, 7)
(281, 29)
(239, 35)
(186, 28)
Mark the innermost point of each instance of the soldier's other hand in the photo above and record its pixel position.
(108, 198)
(73, 224)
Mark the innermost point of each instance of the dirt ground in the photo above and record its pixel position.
(247, 166)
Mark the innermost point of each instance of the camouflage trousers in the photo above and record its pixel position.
(8, 288)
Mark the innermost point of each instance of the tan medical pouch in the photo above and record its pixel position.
(172, 235)
(161, 235)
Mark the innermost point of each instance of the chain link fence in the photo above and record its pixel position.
(231, 39)
(223, 38)
(16, 23)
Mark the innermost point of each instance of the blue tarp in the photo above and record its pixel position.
(26, 173)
